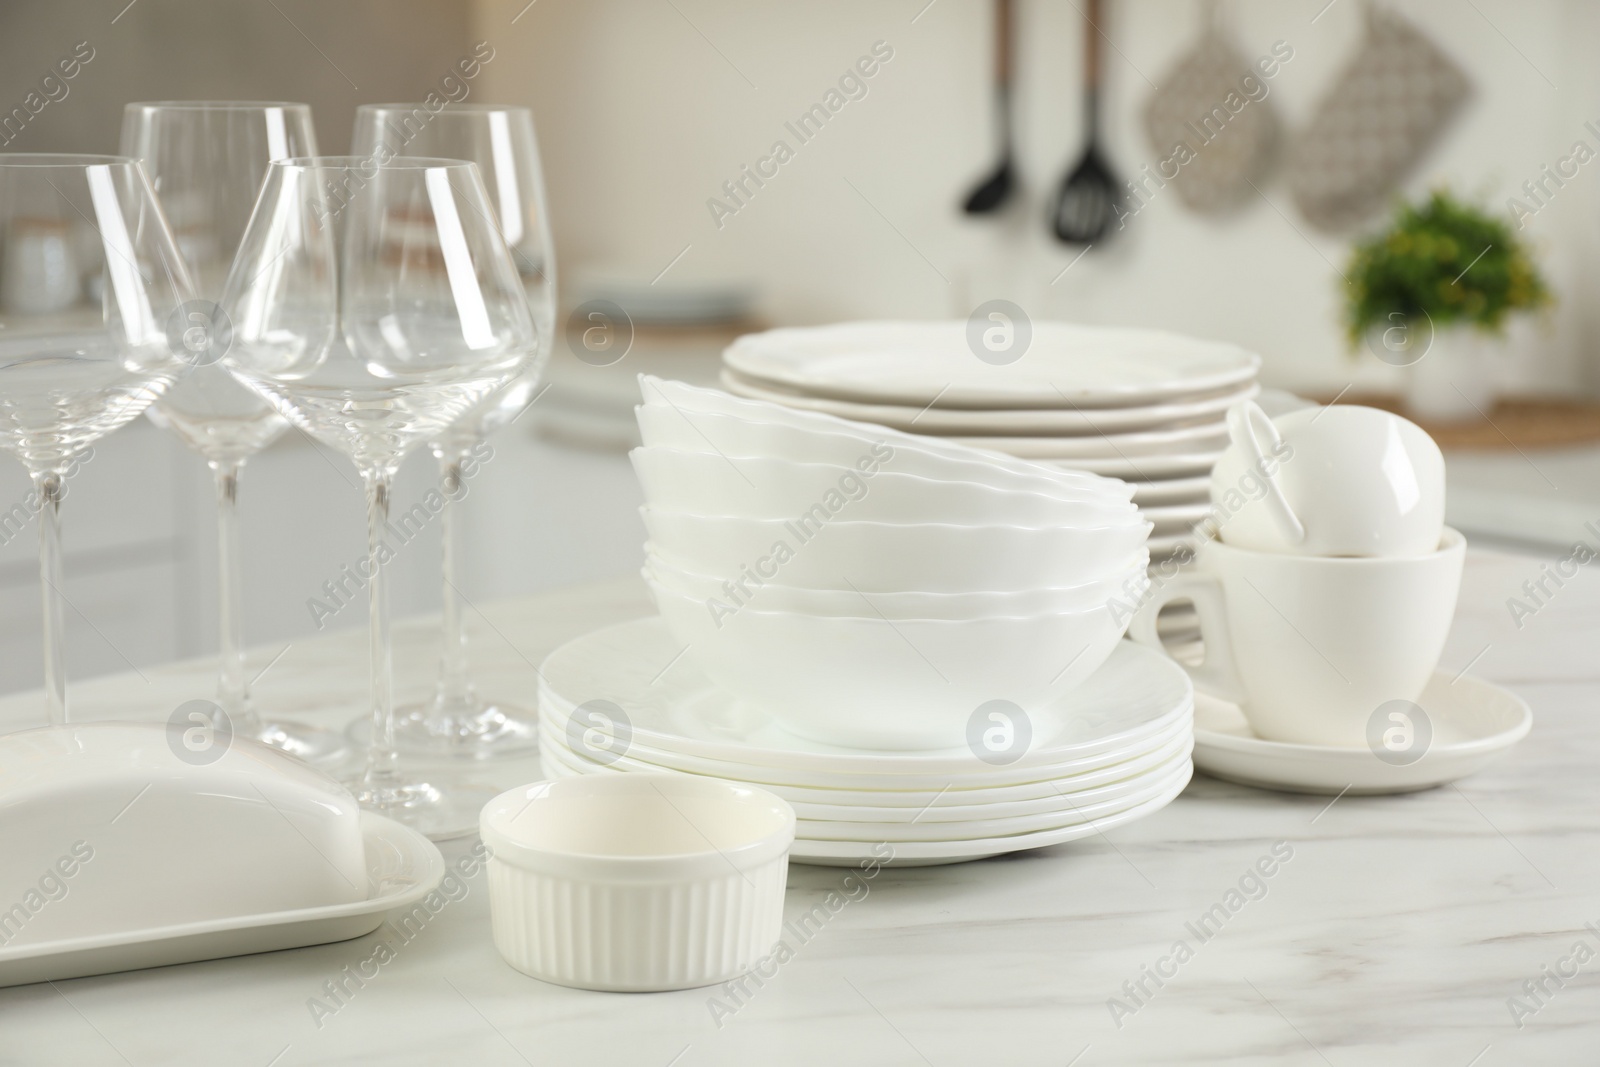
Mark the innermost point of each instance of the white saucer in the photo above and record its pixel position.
(1473, 723)
(402, 868)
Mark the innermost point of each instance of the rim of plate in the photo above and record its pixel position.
(878, 355)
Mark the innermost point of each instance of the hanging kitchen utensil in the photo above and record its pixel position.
(1381, 116)
(996, 189)
(1091, 194)
(1211, 124)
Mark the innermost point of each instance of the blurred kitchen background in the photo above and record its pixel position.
(645, 108)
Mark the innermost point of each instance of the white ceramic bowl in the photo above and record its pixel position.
(638, 882)
(878, 557)
(664, 426)
(1129, 581)
(762, 487)
(689, 398)
(908, 684)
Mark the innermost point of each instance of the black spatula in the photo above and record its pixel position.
(1087, 205)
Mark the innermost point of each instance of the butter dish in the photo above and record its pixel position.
(123, 848)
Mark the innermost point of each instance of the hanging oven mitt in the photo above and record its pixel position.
(1211, 125)
(1382, 115)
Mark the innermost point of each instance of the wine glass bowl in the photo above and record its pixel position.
(374, 303)
(206, 160)
(456, 721)
(90, 279)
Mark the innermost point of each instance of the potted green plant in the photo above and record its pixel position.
(1433, 292)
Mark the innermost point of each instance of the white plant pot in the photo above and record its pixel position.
(1455, 380)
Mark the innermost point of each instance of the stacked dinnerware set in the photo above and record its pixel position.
(1140, 405)
(914, 642)
(873, 647)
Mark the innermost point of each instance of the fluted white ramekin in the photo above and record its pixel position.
(636, 882)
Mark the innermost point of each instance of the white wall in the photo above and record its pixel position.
(645, 109)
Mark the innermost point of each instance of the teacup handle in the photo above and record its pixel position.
(1217, 674)
(1247, 425)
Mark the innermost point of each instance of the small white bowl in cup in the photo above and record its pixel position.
(636, 882)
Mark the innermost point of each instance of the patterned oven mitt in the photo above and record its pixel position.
(1212, 125)
(1382, 115)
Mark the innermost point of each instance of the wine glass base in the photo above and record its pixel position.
(441, 809)
(475, 731)
(311, 744)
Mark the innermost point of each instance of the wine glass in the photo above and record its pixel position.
(89, 287)
(374, 303)
(206, 160)
(456, 721)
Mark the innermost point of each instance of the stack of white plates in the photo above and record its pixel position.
(872, 588)
(1115, 749)
(1140, 405)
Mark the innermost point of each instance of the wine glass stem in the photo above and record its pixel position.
(382, 760)
(49, 486)
(232, 689)
(454, 688)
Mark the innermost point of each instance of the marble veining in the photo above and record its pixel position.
(1402, 930)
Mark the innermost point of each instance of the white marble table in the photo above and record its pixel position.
(1396, 934)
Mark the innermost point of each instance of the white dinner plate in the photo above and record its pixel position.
(845, 823)
(826, 853)
(402, 868)
(1195, 489)
(641, 668)
(1208, 436)
(1074, 810)
(1073, 813)
(1169, 513)
(1473, 722)
(1144, 468)
(1000, 422)
(1064, 365)
(975, 775)
(1169, 544)
(896, 805)
(893, 851)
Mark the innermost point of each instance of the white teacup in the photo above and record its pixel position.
(1340, 481)
(1310, 647)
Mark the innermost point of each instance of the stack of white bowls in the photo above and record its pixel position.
(1141, 405)
(868, 587)
(865, 622)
